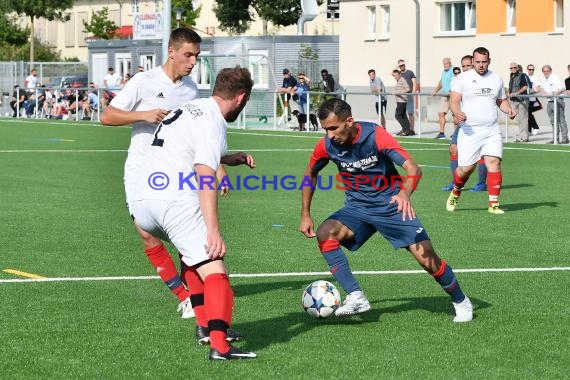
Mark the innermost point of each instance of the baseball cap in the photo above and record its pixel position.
(285, 71)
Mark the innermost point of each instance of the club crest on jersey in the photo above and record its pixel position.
(362, 164)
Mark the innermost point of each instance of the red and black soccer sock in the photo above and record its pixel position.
(482, 172)
(494, 182)
(218, 302)
(446, 278)
(338, 265)
(196, 289)
(453, 164)
(458, 183)
(166, 269)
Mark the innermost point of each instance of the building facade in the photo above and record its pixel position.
(522, 31)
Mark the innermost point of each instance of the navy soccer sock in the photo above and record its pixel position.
(482, 172)
(338, 265)
(446, 278)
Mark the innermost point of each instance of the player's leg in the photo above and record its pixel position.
(330, 234)
(218, 304)
(469, 143)
(452, 158)
(492, 153)
(162, 262)
(425, 255)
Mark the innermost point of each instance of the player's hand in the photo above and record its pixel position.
(156, 115)
(307, 227)
(404, 205)
(215, 247)
(239, 158)
(459, 118)
(224, 190)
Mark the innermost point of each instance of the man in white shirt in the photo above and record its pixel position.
(377, 88)
(475, 94)
(553, 85)
(32, 81)
(146, 99)
(176, 198)
(112, 80)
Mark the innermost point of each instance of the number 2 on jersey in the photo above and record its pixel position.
(170, 120)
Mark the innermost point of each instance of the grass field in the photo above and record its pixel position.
(62, 217)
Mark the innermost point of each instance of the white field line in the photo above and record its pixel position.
(291, 274)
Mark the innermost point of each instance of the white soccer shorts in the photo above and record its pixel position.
(476, 142)
(179, 222)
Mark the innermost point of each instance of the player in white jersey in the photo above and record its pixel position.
(144, 101)
(475, 94)
(176, 198)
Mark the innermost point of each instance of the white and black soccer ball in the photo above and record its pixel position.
(320, 299)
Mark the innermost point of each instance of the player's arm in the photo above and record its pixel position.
(208, 198)
(319, 159)
(115, 116)
(455, 106)
(307, 226)
(505, 106)
(239, 158)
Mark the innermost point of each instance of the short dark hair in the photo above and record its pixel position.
(183, 35)
(468, 56)
(233, 81)
(324, 71)
(337, 106)
(371, 71)
(456, 70)
(481, 50)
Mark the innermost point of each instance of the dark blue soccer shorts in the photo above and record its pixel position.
(364, 222)
(454, 136)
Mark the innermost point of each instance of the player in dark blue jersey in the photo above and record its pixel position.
(376, 199)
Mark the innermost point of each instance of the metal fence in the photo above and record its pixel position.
(265, 110)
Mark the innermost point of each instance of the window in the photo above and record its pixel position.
(457, 16)
(202, 71)
(559, 15)
(259, 68)
(82, 17)
(511, 16)
(135, 6)
(385, 21)
(70, 31)
(147, 61)
(371, 10)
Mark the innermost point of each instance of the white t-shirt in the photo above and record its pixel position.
(146, 91)
(32, 82)
(552, 84)
(113, 81)
(193, 134)
(479, 94)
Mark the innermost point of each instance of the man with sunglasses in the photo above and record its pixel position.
(519, 85)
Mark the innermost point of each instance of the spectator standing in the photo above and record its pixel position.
(303, 87)
(377, 88)
(288, 87)
(444, 86)
(410, 77)
(534, 102)
(519, 85)
(112, 80)
(401, 100)
(567, 82)
(32, 81)
(552, 85)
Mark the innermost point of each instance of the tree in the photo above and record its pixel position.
(190, 14)
(48, 9)
(100, 26)
(235, 16)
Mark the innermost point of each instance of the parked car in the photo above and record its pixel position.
(74, 81)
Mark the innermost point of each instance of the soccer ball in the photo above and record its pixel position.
(320, 299)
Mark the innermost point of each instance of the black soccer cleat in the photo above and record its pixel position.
(203, 335)
(232, 354)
